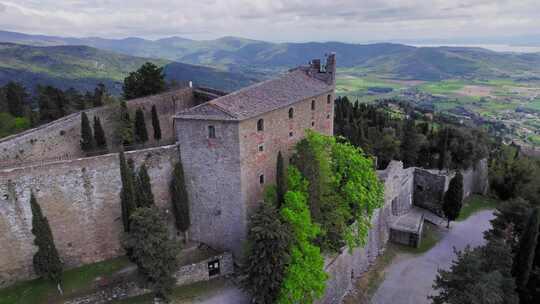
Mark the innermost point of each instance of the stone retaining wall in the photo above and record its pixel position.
(81, 199)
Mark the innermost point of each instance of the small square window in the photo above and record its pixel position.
(261, 179)
(261, 147)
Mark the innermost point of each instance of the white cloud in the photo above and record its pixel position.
(276, 20)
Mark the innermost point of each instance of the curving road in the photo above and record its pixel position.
(409, 279)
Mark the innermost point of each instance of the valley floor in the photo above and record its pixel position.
(419, 271)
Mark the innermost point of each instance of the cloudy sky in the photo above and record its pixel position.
(277, 20)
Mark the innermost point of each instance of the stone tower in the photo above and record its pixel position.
(229, 146)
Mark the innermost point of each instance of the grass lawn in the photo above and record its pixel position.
(358, 86)
(369, 282)
(76, 280)
(181, 294)
(534, 105)
(474, 204)
(443, 87)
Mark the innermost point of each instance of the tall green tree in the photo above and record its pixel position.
(127, 194)
(281, 180)
(16, 98)
(87, 138)
(52, 102)
(99, 134)
(152, 251)
(141, 134)
(46, 261)
(478, 276)
(144, 196)
(100, 95)
(147, 80)
(267, 254)
(180, 200)
(125, 126)
(453, 198)
(305, 279)
(155, 123)
(411, 144)
(523, 263)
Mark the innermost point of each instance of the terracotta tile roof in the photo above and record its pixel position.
(266, 96)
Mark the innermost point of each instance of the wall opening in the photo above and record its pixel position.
(313, 104)
(211, 132)
(291, 113)
(260, 125)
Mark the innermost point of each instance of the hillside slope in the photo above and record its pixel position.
(385, 59)
(82, 67)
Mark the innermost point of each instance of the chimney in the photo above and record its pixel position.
(316, 64)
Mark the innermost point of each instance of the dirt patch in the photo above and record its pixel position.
(475, 90)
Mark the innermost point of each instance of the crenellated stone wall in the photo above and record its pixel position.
(81, 199)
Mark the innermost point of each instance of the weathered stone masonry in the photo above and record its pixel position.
(81, 200)
(228, 168)
(60, 139)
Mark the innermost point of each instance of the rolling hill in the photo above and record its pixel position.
(82, 67)
(252, 56)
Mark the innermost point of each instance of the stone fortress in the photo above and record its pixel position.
(228, 144)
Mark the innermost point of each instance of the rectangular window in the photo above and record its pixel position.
(261, 147)
(261, 179)
(211, 132)
(291, 134)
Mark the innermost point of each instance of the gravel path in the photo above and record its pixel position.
(409, 280)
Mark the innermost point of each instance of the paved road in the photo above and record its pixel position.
(409, 279)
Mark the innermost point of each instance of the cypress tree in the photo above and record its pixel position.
(46, 261)
(99, 134)
(180, 200)
(152, 251)
(523, 263)
(453, 198)
(155, 123)
(144, 196)
(125, 128)
(127, 194)
(141, 135)
(267, 255)
(281, 180)
(87, 140)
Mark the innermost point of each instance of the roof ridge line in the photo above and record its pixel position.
(222, 109)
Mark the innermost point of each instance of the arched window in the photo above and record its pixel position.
(329, 99)
(313, 104)
(291, 113)
(211, 132)
(260, 125)
(261, 179)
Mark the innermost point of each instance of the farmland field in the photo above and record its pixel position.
(497, 100)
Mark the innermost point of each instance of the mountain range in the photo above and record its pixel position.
(231, 62)
(82, 67)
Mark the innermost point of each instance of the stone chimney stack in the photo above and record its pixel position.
(316, 65)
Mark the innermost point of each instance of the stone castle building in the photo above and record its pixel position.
(228, 145)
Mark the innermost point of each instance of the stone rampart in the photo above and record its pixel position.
(60, 139)
(81, 199)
